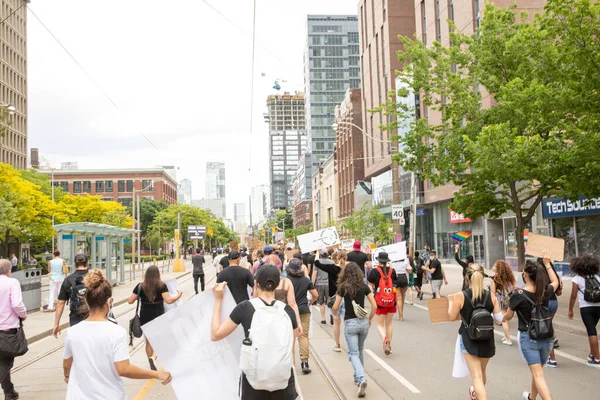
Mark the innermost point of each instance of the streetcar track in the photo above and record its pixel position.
(325, 372)
(61, 346)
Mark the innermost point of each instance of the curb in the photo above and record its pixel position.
(47, 333)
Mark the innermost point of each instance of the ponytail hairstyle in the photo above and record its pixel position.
(335, 257)
(538, 276)
(475, 278)
(98, 290)
(342, 258)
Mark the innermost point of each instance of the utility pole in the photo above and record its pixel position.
(131, 271)
(413, 214)
(395, 184)
(53, 212)
(139, 240)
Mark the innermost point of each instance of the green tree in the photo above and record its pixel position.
(381, 227)
(43, 181)
(359, 224)
(148, 210)
(538, 135)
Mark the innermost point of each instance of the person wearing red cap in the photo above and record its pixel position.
(360, 258)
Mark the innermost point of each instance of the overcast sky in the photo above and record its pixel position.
(177, 71)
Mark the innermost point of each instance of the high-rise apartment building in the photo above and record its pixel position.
(184, 192)
(13, 83)
(216, 206)
(287, 139)
(381, 22)
(331, 66)
(215, 180)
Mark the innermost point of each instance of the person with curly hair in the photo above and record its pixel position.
(351, 289)
(587, 269)
(503, 284)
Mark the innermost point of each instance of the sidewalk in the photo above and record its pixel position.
(39, 324)
(561, 320)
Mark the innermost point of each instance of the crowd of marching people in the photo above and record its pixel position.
(274, 289)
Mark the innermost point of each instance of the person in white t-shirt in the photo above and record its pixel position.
(587, 268)
(96, 356)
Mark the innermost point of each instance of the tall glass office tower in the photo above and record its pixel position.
(331, 66)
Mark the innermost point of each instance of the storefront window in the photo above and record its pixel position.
(563, 228)
(588, 234)
(510, 231)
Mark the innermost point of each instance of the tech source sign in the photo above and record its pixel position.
(560, 208)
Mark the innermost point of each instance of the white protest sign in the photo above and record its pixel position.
(172, 286)
(396, 252)
(348, 244)
(201, 368)
(318, 240)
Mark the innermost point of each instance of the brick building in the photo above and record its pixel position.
(118, 185)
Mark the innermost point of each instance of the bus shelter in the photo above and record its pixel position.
(103, 244)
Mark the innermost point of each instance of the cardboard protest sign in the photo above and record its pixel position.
(538, 243)
(318, 240)
(396, 252)
(438, 310)
(201, 368)
(348, 244)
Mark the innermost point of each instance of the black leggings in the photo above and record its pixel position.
(590, 317)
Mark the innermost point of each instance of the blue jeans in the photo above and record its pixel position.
(534, 351)
(355, 331)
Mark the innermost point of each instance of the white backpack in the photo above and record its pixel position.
(266, 357)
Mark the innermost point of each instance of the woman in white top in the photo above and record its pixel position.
(402, 268)
(96, 354)
(55, 272)
(587, 269)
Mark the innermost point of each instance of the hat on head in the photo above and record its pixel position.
(81, 259)
(356, 246)
(324, 252)
(294, 267)
(268, 248)
(219, 251)
(383, 257)
(234, 255)
(268, 277)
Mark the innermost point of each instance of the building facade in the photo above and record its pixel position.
(215, 180)
(13, 84)
(302, 213)
(239, 212)
(184, 193)
(325, 199)
(349, 150)
(216, 206)
(260, 203)
(118, 185)
(381, 22)
(287, 139)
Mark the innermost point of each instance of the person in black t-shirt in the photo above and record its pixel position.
(224, 261)
(198, 272)
(360, 258)
(152, 294)
(238, 279)
(539, 288)
(351, 288)
(267, 279)
(461, 305)
(66, 293)
(434, 267)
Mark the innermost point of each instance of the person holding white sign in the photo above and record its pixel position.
(266, 356)
(96, 356)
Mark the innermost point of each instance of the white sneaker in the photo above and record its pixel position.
(337, 348)
(506, 341)
(526, 396)
(362, 389)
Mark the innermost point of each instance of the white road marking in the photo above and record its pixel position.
(513, 337)
(393, 372)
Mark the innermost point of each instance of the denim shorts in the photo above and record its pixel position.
(462, 345)
(553, 306)
(341, 310)
(534, 351)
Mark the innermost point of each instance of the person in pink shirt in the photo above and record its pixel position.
(11, 310)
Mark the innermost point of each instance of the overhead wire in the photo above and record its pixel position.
(14, 11)
(87, 74)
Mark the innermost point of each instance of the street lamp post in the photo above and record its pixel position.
(52, 183)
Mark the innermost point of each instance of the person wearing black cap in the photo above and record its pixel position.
(383, 279)
(238, 279)
(267, 280)
(69, 290)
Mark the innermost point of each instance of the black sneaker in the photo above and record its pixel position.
(593, 362)
(152, 366)
(14, 395)
(305, 367)
(331, 319)
(556, 345)
(324, 322)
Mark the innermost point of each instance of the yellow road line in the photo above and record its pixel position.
(145, 390)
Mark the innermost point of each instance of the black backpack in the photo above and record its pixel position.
(592, 289)
(540, 327)
(77, 303)
(481, 325)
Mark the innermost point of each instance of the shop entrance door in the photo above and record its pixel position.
(478, 249)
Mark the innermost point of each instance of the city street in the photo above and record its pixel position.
(420, 366)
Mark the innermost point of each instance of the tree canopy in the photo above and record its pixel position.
(519, 107)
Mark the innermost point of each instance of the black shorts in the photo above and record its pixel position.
(402, 281)
(590, 317)
(249, 393)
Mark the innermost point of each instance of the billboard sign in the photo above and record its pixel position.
(196, 232)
